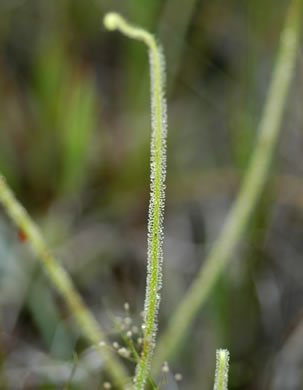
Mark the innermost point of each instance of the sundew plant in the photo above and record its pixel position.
(154, 352)
(114, 21)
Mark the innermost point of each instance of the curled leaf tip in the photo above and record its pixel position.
(111, 20)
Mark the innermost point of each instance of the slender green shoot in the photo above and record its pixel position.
(61, 280)
(222, 365)
(249, 194)
(114, 21)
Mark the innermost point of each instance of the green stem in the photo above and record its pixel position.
(114, 21)
(61, 280)
(250, 191)
(221, 374)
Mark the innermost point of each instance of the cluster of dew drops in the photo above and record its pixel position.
(132, 341)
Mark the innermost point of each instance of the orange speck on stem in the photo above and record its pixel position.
(22, 236)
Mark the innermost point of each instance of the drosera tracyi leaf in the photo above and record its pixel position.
(222, 365)
(114, 21)
(61, 280)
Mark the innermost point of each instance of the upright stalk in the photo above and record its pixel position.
(114, 21)
(249, 194)
(222, 365)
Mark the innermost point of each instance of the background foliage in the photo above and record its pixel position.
(74, 145)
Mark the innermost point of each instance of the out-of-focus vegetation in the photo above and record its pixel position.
(74, 145)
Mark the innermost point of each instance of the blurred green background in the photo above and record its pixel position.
(74, 146)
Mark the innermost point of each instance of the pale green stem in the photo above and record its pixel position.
(249, 194)
(61, 281)
(114, 21)
(222, 365)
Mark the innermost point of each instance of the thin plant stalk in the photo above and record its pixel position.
(249, 194)
(114, 21)
(222, 366)
(61, 280)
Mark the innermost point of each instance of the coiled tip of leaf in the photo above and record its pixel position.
(111, 20)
